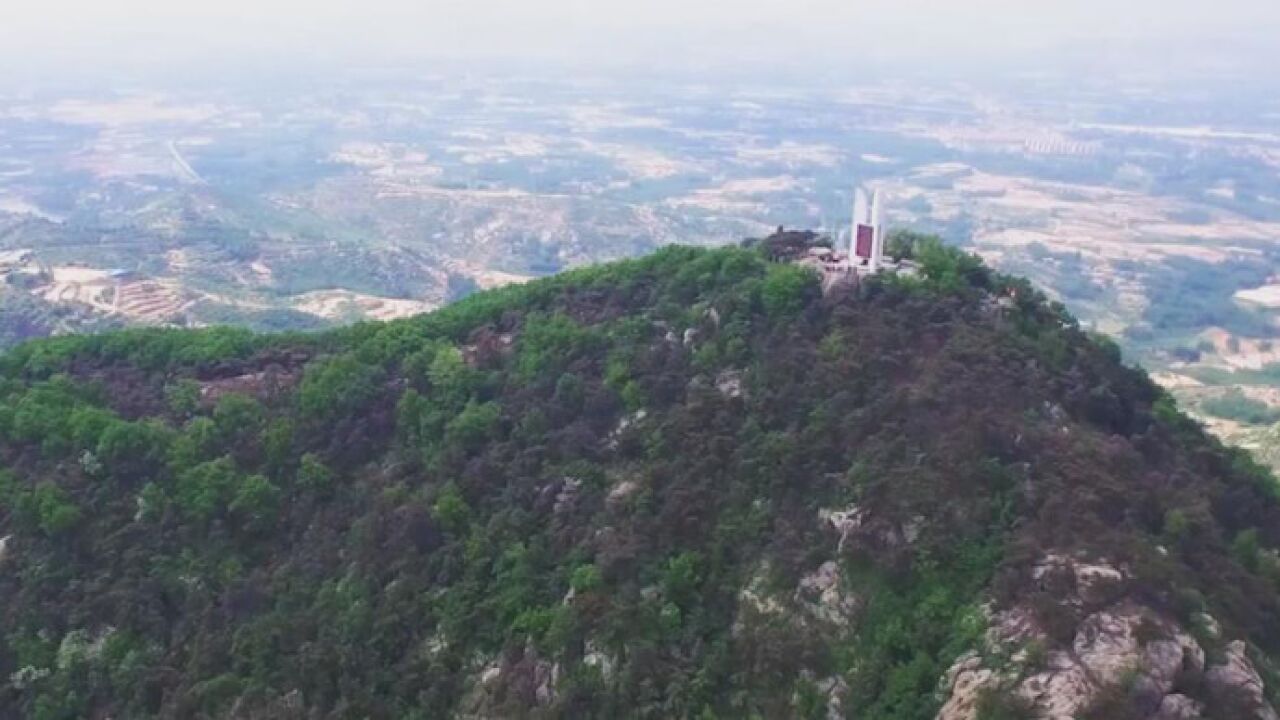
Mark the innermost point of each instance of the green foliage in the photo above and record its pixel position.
(203, 490)
(1165, 411)
(451, 509)
(40, 416)
(920, 627)
(585, 578)
(515, 584)
(197, 442)
(1177, 527)
(1245, 548)
(237, 418)
(473, 426)
(152, 349)
(88, 424)
(681, 577)
(48, 508)
(338, 387)
(216, 694)
(313, 474)
(787, 289)
(948, 268)
(278, 445)
(549, 343)
(134, 451)
(255, 500)
(8, 489)
(450, 377)
(151, 502)
(183, 397)
(901, 244)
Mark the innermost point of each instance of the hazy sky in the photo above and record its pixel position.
(37, 34)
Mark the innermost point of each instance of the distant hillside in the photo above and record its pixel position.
(688, 485)
(24, 317)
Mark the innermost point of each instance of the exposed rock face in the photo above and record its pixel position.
(262, 384)
(967, 679)
(567, 495)
(486, 347)
(1107, 652)
(289, 706)
(729, 383)
(619, 493)
(845, 522)
(835, 690)
(1166, 658)
(819, 606)
(754, 598)
(521, 680)
(1106, 644)
(859, 530)
(597, 658)
(625, 423)
(819, 599)
(1178, 707)
(1122, 644)
(1236, 684)
(1081, 582)
(820, 594)
(713, 315)
(1061, 689)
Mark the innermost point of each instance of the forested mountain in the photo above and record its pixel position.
(688, 485)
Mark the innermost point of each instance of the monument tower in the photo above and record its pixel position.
(866, 237)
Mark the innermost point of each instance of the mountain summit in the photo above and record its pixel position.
(690, 485)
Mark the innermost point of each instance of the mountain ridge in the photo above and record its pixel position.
(686, 485)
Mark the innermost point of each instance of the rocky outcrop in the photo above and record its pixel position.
(1079, 582)
(596, 657)
(1123, 644)
(845, 522)
(625, 423)
(621, 492)
(1061, 689)
(1106, 644)
(567, 495)
(522, 679)
(1235, 683)
(288, 706)
(968, 679)
(819, 600)
(858, 530)
(1178, 707)
(729, 383)
(836, 691)
(486, 347)
(821, 596)
(753, 598)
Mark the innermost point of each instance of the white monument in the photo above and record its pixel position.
(866, 236)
